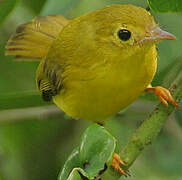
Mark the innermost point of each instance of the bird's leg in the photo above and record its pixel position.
(117, 164)
(163, 94)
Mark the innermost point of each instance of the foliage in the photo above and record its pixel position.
(166, 6)
(37, 148)
(94, 153)
(35, 5)
(6, 8)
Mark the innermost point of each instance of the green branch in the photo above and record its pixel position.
(151, 127)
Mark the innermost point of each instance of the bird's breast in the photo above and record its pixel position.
(107, 89)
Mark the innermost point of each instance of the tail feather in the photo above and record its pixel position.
(32, 40)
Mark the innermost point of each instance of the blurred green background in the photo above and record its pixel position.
(36, 137)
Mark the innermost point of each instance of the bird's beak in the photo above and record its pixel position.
(157, 34)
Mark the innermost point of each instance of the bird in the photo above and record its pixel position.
(94, 65)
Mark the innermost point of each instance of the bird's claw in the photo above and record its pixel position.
(164, 95)
(117, 164)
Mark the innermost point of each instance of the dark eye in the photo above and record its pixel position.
(124, 34)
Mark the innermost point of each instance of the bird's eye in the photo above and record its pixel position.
(124, 34)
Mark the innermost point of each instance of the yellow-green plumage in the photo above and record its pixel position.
(90, 71)
(102, 76)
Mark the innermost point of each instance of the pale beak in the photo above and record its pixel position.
(158, 34)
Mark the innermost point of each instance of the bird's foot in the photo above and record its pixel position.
(163, 94)
(117, 164)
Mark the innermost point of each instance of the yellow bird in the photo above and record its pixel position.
(94, 65)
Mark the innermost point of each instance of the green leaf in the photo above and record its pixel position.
(92, 156)
(96, 149)
(165, 5)
(63, 7)
(70, 164)
(35, 5)
(74, 175)
(6, 6)
(69, 172)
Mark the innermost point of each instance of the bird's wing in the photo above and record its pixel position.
(33, 39)
(49, 79)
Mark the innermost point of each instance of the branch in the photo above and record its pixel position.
(21, 108)
(151, 127)
(14, 115)
(18, 100)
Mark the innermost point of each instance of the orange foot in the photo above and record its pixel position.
(117, 162)
(163, 94)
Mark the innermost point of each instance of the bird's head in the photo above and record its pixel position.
(115, 30)
(128, 27)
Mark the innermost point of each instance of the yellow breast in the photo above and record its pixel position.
(108, 89)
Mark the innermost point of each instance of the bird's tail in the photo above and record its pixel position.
(33, 39)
